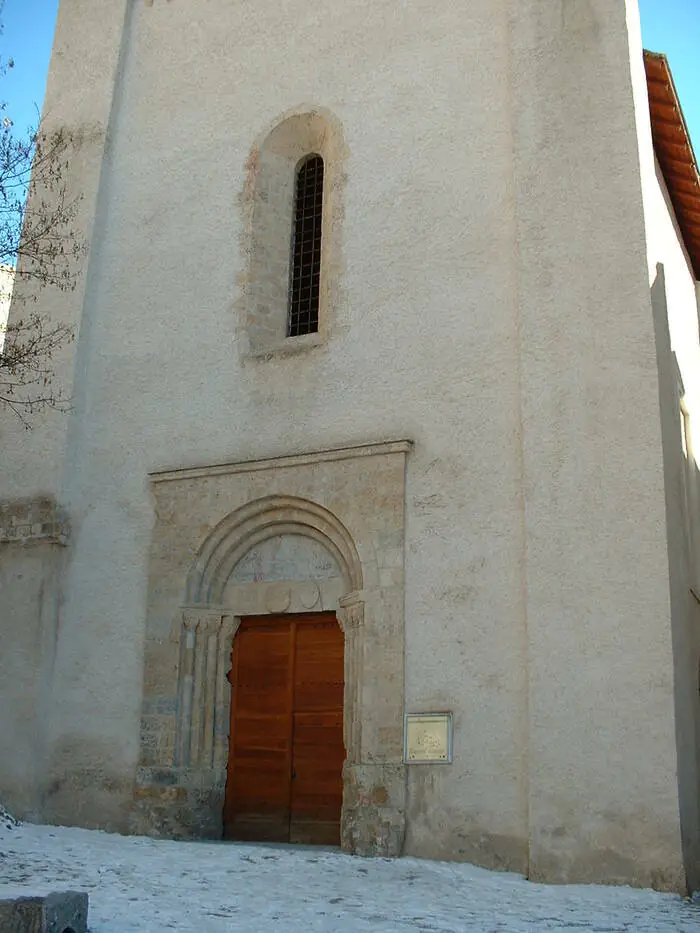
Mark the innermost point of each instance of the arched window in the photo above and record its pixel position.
(305, 278)
(292, 204)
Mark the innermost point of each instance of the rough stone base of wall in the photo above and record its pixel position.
(178, 803)
(181, 803)
(594, 864)
(461, 840)
(33, 537)
(374, 815)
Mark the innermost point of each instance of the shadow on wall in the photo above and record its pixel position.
(682, 490)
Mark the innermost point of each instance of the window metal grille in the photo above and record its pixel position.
(305, 283)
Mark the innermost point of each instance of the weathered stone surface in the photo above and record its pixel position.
(34, 519)
(58, 912)
(374, 814)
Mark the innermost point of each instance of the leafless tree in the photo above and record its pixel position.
(39, 249)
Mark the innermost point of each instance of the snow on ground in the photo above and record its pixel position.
(139, 885)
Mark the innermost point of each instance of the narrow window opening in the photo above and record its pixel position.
(305, 285)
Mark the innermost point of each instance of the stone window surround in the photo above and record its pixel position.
(267, 204)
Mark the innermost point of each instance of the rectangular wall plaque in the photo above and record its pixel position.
(427, 738)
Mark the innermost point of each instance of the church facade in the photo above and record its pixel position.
(374, 521)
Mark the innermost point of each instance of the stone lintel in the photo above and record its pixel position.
(273, 463)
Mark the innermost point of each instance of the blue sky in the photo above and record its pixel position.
(27, 37)
(673, 27)
(670, 26)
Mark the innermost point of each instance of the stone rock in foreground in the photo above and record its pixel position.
(7, 819)
(59, 912)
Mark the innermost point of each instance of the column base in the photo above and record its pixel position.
(373, 821)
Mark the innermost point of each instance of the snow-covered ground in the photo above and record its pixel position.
(138, 885)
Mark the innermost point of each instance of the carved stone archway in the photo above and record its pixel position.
(226, 543)
(272, 515)
(206, 639)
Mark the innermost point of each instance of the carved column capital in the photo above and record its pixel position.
(210, 623)
(351, 612)
(206, 621)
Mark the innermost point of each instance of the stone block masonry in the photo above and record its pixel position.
(58, 912)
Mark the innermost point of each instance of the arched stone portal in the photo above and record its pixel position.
(273, 554)
(257, 521)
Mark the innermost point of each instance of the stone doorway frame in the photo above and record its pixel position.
(209, 628)
(351, 501)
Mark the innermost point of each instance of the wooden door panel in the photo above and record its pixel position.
(319, 674)
(261, 792)
(262, 683)
(286, 746)
(317, 766)
(320, 727)
(317, 749)
(256, 734)
(315, 832)
(258, 787)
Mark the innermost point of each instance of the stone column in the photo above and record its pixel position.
(351, 615)
(374, 792)
(185, 681)
(200, 692)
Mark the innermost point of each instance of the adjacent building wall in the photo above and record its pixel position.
(603, 798)
(7, 281)
(674, 294)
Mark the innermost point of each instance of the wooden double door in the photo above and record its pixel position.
(286, 748)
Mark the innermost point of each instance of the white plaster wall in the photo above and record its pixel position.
(665, 245)
(28, 638)
(424, 347)
(7, 279)
(603, 798)
(671, 274)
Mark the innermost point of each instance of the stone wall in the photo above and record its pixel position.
(33, 538)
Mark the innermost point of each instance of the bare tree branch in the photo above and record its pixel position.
(40, 243)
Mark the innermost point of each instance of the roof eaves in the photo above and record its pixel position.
(674, 151)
